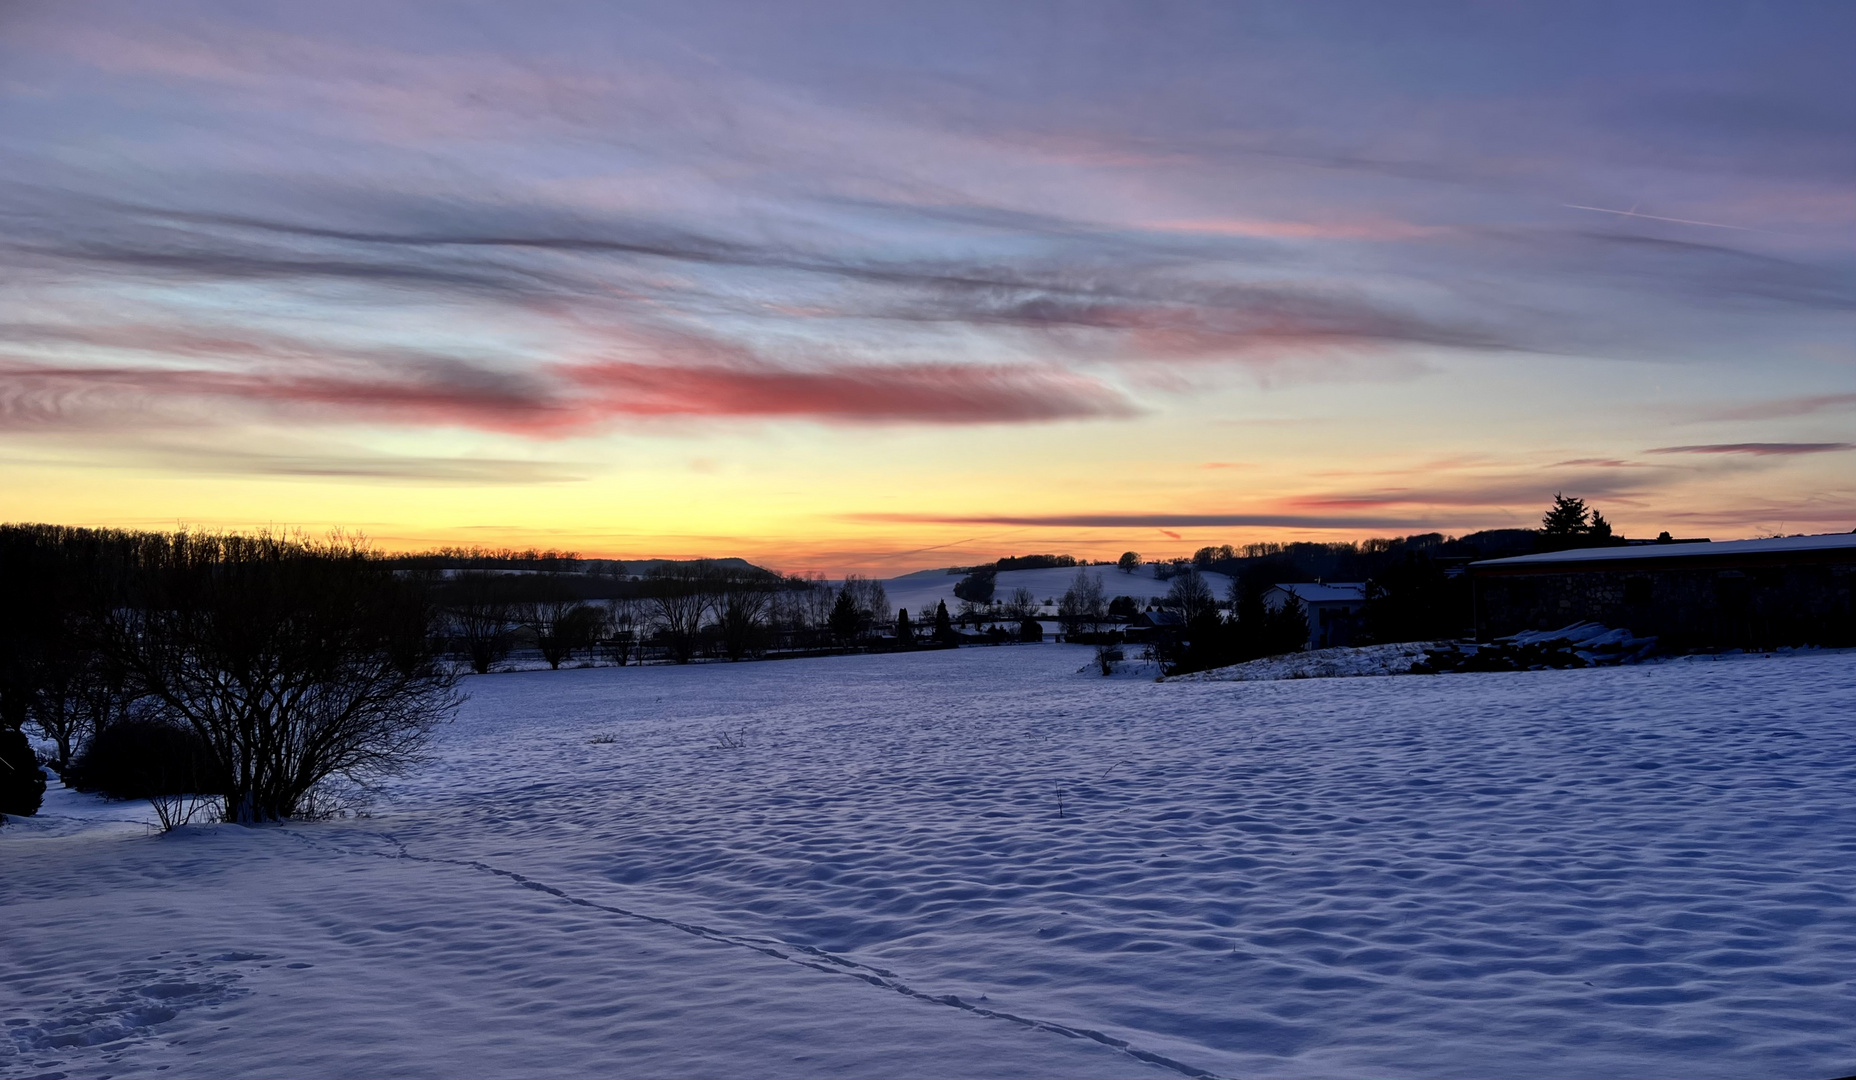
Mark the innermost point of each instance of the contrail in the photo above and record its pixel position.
(1632, 212)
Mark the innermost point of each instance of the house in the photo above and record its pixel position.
(1737, 593)
(1334, 609)
(1152, 623)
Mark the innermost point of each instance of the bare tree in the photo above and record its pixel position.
(295, 662)
(802, 607)
(621, 625)
(1190, 596)
(1129, 562)
(561, 627)
(481, 619)
(1022, 604)
(81, 691)
(747, 598)
(54, 673)
(1083, 608)
(871, 599)
(681, 596)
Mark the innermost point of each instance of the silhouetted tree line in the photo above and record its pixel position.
(1033, 562)
(676, 612)
(259, 669)
(482, 558)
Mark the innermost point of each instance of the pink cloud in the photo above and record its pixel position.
(564, 400)
(45, 395)
(858, 393)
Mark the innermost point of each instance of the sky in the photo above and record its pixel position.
(877, 287)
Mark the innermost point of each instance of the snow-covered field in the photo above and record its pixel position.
(983, 862)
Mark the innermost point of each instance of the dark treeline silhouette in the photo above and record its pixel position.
(1033, 562)
(280, 664)
(482, 558)
(676, 611)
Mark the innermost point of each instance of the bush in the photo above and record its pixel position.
(22, 783)
(297, 662)
(141, 758)
(976, 587)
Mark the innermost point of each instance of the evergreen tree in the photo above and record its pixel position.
(1566, 518)
(905, 630)
(1599, 529)
(845, 617)
(1288, 628)
(943, 625)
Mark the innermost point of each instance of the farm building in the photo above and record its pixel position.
(1740, 593)
(1333, 609)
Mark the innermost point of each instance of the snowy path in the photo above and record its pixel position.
(858, 865)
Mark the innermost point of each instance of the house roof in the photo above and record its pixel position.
(1767, 550)
(1319, 592)
(1159, 617)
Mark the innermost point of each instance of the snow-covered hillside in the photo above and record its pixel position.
(918, 592)
(985, 863)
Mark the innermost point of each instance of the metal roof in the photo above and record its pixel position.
(1313, 592)
(1726, 549)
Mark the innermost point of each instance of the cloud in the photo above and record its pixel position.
(1298, 230)
(1719, 271)
(431, 394)
(385, 468)
(562, 399)
(1157, 520)
(1156, 317)
(1156, 302)
(1527, 489)
(856, 393)
(1761, 449)
(1785, 408)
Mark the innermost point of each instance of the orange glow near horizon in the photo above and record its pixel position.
(666, 284)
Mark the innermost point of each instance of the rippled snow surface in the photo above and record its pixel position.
(986, 863)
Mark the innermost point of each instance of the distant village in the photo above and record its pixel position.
(1222, 605)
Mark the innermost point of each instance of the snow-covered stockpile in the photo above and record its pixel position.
(858, 866)
(1338, 662)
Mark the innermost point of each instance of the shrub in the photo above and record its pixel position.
(144, 758)
(976, 587)
(295, 662)
(22, 783)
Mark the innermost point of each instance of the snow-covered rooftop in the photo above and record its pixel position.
(1724, 549)
(1318, 592)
